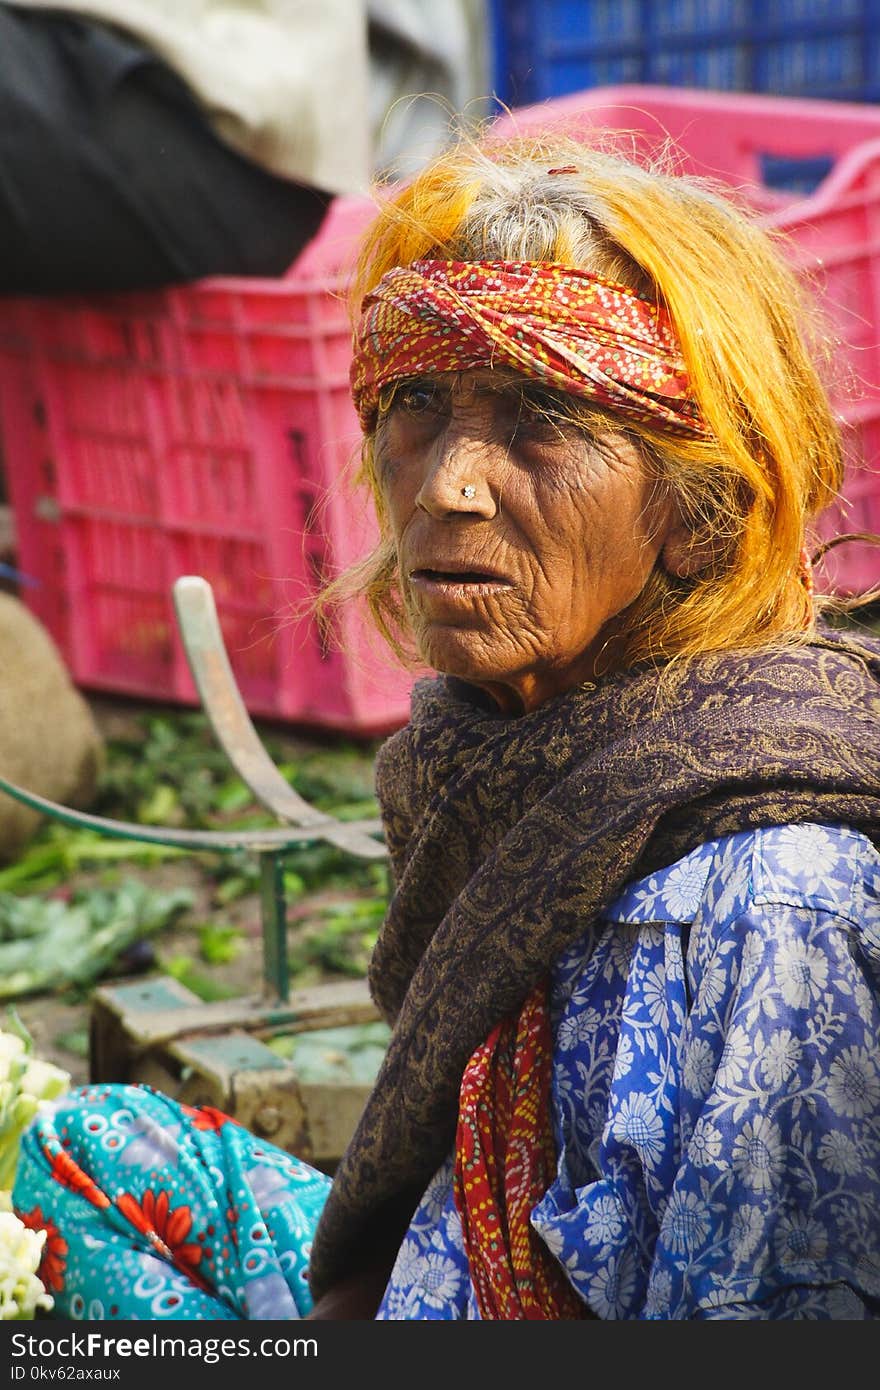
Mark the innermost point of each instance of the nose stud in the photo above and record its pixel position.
(469, 490)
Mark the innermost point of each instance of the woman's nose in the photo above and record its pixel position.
(457, 477)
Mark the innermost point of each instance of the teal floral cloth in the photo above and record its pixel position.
(155, 1210)
(716, 1102)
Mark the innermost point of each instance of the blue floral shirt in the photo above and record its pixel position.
(716, 1097)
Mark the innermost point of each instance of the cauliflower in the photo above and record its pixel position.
(26, 1084)
(21, 1290)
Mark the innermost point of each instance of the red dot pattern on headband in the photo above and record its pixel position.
(576, 331)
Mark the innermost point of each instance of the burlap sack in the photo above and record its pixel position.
(49, 742)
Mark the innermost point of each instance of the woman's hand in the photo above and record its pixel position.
(358, 1295)
(356, 1298)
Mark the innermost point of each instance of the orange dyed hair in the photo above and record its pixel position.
(749, 493)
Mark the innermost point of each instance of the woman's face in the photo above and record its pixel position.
(519, 540)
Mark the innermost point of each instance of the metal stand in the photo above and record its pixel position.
(156, 1031)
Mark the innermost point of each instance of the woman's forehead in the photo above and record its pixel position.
(486, 381)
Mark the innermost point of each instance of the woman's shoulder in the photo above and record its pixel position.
(825, 867)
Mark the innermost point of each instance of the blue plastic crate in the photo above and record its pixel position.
(685, 18)
(830, 65)
(810, 48)
(720, 66)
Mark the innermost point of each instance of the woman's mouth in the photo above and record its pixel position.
(458, 583)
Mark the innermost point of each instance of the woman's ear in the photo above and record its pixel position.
(684, 554)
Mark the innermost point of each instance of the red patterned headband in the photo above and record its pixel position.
(577, 331)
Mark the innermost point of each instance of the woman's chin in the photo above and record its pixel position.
(459, 652)
(457, 660)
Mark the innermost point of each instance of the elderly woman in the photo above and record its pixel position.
(632, 958)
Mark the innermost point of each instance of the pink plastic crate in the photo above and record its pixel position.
(832, 235)
(202, 430)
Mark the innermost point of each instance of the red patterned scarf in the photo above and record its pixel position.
(504, 1163)
(579, 332)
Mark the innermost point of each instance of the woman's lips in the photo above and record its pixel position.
(458, 584)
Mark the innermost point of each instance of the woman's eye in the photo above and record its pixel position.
(531, 418)
(538, 420)
(542, 408)
(417, 399)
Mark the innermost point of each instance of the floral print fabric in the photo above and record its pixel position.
(716, 1097)
(155, 1210)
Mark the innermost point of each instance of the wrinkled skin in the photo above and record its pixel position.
(558, 538)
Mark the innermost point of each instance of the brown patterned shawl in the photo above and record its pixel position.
(509, 836)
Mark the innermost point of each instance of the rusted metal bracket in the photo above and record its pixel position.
(158, 1033)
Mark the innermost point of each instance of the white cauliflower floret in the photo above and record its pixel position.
(21, 1291)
